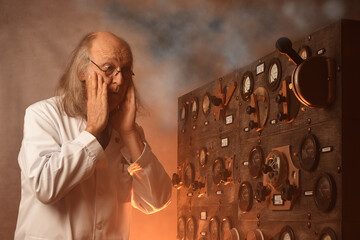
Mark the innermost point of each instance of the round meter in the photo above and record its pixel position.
(183, 112)
(189, 175)
(274, 74)
(255, 235)
(220, 174)
(276, 168)
(256, 161)
(194, 106)
(206, 104)
(181, 228)
(225, 228)
(202, 157)
(245, 197)
(247, 85)
(325, 192)
(327, 234)
(190, 229)
(309, 154)
(214, 228)
(304, 52)
(287, 233)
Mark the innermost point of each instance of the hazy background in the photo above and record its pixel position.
(178, 46)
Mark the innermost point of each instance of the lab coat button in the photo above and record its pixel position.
(99, 226)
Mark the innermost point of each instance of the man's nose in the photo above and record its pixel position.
(117, 78)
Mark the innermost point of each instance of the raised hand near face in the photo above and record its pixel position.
(123, 121)
(123, 118)
(97, 104)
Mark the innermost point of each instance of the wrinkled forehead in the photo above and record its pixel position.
(107, 46)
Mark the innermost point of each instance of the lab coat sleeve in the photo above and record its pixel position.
(151, 184)
(50, 166)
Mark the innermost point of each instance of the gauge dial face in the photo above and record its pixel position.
(194, 108)
(183, 112)
(287, 233)
(247, 85)
(189, 175)
(214, 228)
(181, 228)
(225, 228)
(206, 104)
(245, 197)
(219, 171)
(309, 154)
(305, 52)
(274, 74)
(190, 229)
(256, 161)
(202, 157)
(327, 234)
(325, 192)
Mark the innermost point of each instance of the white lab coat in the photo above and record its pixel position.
(72, 189)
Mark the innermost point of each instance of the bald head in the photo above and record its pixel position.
(107, 45)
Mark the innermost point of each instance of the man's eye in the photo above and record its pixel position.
(109, 69)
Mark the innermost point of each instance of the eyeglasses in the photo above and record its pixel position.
(111, 69)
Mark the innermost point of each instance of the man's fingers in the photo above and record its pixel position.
(99, 85)
(92, 86)
(104, 93)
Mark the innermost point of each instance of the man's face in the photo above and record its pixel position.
(112, 55)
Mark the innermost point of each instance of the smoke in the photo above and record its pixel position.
(180, 45)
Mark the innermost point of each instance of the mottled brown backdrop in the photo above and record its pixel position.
(178, 45)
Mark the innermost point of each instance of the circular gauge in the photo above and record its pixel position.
(309, 154)
(189, 175)
(255, 235)
(325, 192)
(220, 174)
(276, 168)
(263, 106)
(245, 197)
(194, 108)
(274, 74)
(247, 85)
(202, 157)
(206, 104)
(256, 161)
(181, 228)
(305, 52)
(225, 228)
(190, 229)
(183, 112)
(327, 234)
(287, 233)
(214, 228)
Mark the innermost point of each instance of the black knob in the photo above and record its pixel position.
(216, 101)
(281, 116)
(261, 192)
(197, 185)
(253, 124)
(175, 180)
(250, 110)
(280, 98)
(287, 191)
(284, 45)
(266, 169)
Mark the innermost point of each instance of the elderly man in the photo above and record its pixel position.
(84, 161)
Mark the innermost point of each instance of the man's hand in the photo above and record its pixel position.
(97, 104)
(123, 118)
(123, 121)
